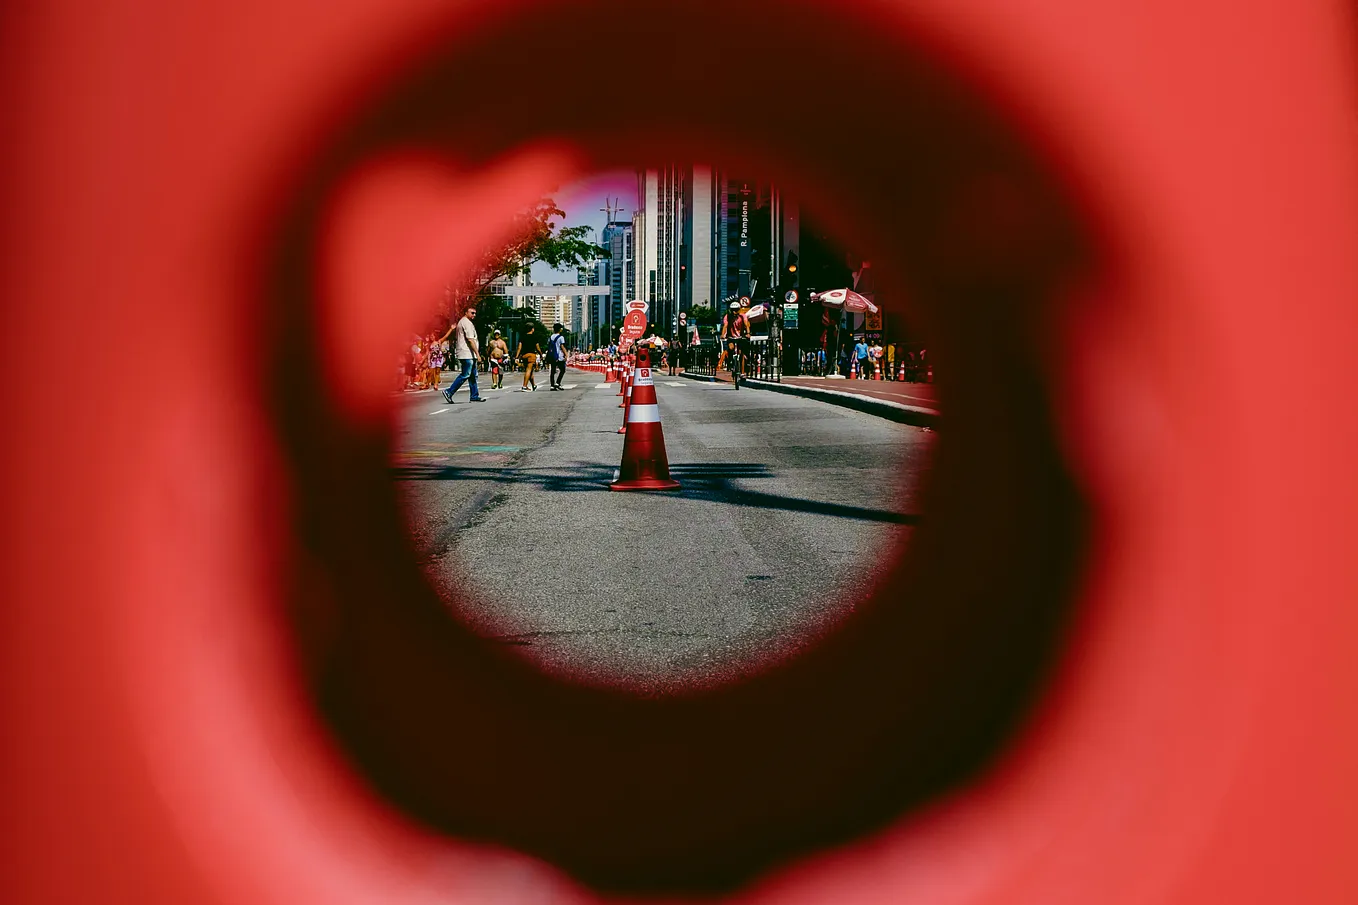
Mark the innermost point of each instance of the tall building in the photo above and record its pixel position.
(659, 226)
(745, 237)
(619, 271)
(586, 310)
(497, 287)
(678, 236)
(699, 246)
(705, 236)
(554, 309)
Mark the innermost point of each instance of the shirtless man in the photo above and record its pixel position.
(499, 357)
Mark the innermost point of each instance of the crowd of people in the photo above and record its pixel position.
(866, 360)
(428, 355)
(422, 363)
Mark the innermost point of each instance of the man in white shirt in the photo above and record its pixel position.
(466, 350)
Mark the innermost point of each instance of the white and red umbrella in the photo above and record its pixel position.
(846, 299)
(758, 312)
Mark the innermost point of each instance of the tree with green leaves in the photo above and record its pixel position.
(535, 237)
(703, 315)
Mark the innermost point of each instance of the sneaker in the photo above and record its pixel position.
(448, 396)
(480, 399)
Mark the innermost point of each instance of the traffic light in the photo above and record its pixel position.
(790, 280)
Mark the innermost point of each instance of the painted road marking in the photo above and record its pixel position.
(439, 411)
(673, 384)
(569, 386)
(898, 396)
(604, 386)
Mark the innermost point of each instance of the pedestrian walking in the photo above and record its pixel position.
(556, 356)
(530, 347)
(499, 361)
(418, 358)
(436, 348)
(678, 345)
(860, 352)
(466, 349)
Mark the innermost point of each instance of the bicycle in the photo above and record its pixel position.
(735, 359)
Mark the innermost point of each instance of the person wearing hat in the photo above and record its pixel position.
(499, 359)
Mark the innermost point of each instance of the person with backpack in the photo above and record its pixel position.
(556, 356)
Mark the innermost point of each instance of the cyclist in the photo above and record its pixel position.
(735, 331)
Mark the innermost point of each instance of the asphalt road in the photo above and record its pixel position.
(787, 504)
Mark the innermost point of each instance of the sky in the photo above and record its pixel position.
(583, 203)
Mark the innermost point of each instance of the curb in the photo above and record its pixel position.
(882, 408)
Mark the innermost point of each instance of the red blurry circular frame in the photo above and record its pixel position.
(197, 718)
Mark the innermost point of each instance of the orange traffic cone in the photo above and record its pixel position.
(644, 464)
(622, 377)
(853, 368)
(626, 406)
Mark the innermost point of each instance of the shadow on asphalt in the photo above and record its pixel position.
(710, 482)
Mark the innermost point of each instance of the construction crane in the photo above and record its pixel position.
(611, 208)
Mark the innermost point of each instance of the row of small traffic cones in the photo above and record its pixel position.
(598, 367)
(645, 466)
(877, 373)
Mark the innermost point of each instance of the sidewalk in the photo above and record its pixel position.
(907, 403)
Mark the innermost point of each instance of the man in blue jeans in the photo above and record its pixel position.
(556, 354)
(466, 350)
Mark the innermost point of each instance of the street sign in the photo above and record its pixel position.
(790, 313)
(873, 321)
(744, 301)
(634, 323)
(791, 297)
